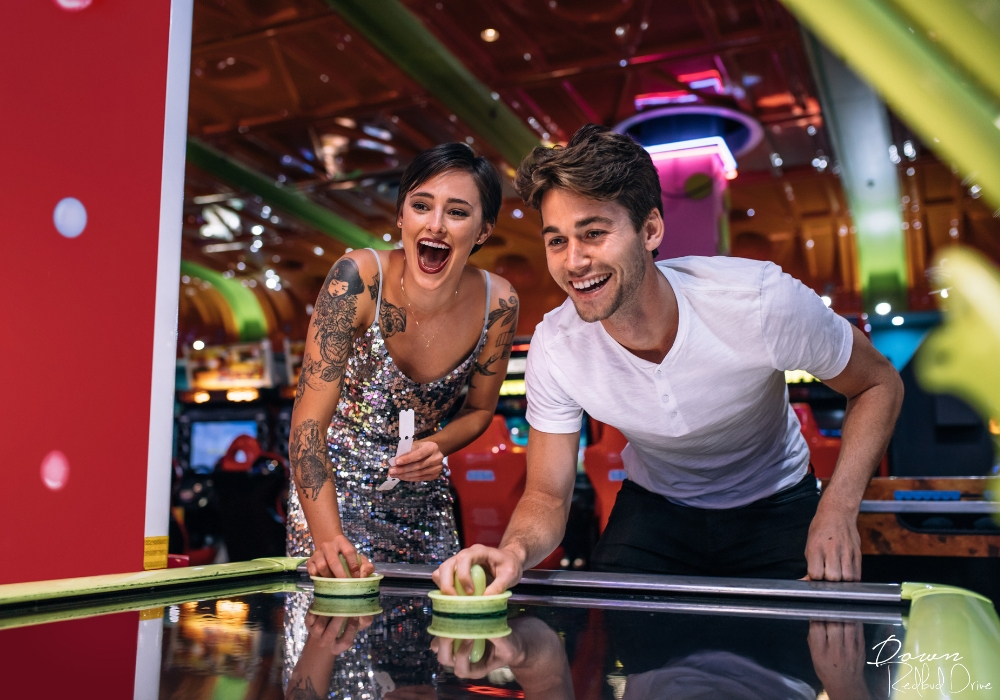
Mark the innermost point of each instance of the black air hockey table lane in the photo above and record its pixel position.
(565, 635)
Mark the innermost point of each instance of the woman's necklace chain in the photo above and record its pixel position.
(406, 300)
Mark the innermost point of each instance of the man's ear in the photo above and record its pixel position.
(652, 230)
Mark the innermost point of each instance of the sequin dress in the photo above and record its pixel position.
(414, 522)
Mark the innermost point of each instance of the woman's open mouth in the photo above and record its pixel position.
(432, 255)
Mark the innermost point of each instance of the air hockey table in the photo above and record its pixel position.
(256, 630)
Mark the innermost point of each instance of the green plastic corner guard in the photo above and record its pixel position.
(937, 99)
(287, 199)
(951, 647)
(109, 584)
(244, 305)
(403, 39)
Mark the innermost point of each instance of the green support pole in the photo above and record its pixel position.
(249, 315)
(287, 199)
(932, 96)
(400, 36)
(858, 125)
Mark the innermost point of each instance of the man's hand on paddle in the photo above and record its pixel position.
(501, 565)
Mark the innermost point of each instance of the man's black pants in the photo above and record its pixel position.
(764, 539)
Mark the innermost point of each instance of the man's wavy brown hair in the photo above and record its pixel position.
(598, 164)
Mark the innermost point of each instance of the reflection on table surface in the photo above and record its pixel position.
(273, 645)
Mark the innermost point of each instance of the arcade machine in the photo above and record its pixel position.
(231, 485)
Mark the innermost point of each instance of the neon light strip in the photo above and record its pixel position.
(693, 147)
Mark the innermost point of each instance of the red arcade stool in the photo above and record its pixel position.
(242, 453)
(823, 450)
(602, 460)
(488, 477)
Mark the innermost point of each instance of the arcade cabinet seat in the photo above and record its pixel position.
(823, 450)
(488, 476)
(602, 460)
(251, 485)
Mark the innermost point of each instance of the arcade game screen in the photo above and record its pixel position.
(211, 439)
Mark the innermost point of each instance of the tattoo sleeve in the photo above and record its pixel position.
(307, 454)
(506, 316)
(334, 318)
(300, 691)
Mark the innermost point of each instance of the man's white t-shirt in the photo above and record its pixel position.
(710, 426)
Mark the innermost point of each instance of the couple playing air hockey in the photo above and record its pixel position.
(686, 357)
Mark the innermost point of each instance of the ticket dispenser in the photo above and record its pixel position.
(91, 193)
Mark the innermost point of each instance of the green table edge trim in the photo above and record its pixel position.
(37, 591)
(914, 591)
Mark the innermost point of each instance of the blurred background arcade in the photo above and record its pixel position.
(848, 142)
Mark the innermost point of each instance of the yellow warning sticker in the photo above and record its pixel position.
(154, 553)
(151, 613)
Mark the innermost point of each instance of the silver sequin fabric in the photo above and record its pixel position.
(394, 652)
(414, 522)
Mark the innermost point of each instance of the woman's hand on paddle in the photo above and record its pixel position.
(424, 462)
(326, 562)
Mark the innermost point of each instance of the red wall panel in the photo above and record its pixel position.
(81, 115)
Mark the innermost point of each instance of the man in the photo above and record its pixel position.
(686, 358)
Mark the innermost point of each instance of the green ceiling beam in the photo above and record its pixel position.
(287, 199)
(246, 308)
(919, 81)
(858, 124)
(400, 36)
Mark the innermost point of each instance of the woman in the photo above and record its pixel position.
(405, 329)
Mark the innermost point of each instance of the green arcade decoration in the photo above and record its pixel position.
(287, 199)
(400, 36)
(246, 309)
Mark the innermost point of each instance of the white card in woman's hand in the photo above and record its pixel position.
(406, 428)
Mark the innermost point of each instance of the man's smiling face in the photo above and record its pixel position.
(593, 252)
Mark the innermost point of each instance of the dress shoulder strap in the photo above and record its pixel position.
(486, 316)
(378, 304)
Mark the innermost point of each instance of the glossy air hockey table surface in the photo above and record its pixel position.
(256, 630)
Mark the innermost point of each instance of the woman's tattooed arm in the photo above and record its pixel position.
(506, 316)
(333, 325)
(307, 453)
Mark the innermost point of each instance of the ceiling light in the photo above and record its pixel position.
(198, 345)
(517, 214)
(265, 211)
(897, 320)
(527, 57)
(489, 35)
(882, 308)
(750, 212)
(271, 282)
(811, 130)
(318, 250)
(827, 301)
(620, 31)
(695, 147)
(378, 133)
(257, 230)
(776, 160)
(241, 266)
(387, 237)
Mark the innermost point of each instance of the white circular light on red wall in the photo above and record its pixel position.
(70, 217)
(55, 470)
(74, 5)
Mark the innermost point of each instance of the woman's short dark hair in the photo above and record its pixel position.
(598, 164)
(454, 156)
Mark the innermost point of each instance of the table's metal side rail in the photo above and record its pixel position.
(888, 593)
(799, 610)
(942, 507)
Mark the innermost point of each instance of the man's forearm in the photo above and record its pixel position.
(536, 528)
(868, 424)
